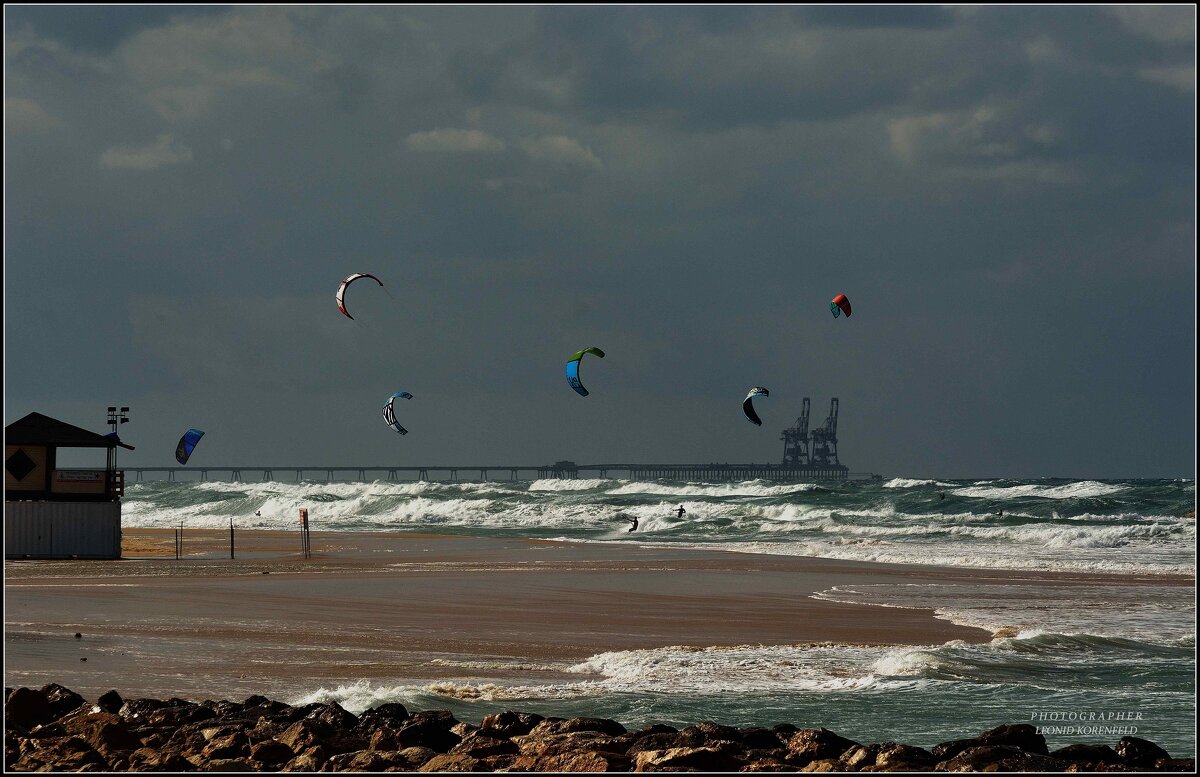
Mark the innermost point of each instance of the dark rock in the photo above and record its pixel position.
(429, 729)
(761, 739)
(136, 710)
(539, 746)
(1175, 765)
(663, 740)
(254, 700)
(587, 761)
(392, 713)
(110, 702)
(510, 724)
(310, 760)
(784, 731)
(815, 744)
(768, 765)
(708, 733)
(857, 758)
(416, 756)
(177, 715)
(559, 726)
(1019, 735)
(893, 755)
(1139, 752)
(28, 708)
(453, 763)
(227, 746)
(485, 742)
(383, 738)
(709, 759)
(62, 754)
(302, 735)
(223, 708)
(227, 765)
(1091, 754)
(1000, 758)
(48, 730)
(333, 716)
(62, 700)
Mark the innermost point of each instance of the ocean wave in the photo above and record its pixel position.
(717, 490)
(909, 483)
(1085, 489)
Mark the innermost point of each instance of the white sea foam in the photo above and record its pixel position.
(568, 485)
(1078, 490)
(909, 483)
(702, 490)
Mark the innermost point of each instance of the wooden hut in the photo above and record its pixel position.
(59, 513)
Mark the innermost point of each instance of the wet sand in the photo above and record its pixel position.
(405, 608)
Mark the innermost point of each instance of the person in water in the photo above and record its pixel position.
(680, 512)
(941, 494)
(633, 524)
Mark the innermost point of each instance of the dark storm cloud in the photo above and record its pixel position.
(1007, 196)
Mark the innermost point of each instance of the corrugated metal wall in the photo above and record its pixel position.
(62, 529)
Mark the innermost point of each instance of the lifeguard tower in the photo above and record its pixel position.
(60, 513)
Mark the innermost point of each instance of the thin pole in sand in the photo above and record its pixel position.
(231, 536)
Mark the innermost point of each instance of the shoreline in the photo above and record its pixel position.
(385, 606)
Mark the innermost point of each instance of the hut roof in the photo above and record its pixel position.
(38, 429)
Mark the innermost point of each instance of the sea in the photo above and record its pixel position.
(1085, 663)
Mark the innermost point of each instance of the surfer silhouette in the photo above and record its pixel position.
(680, 512)
(633, 524)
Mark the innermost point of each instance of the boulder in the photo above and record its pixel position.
(896, 756)
(857, 758)
(177, 715)
(302, 735)
(1175, 765)
(821, 765)
(816, 744)
(110, 702)
(659, 740)
(485, 742)
(64, 754)
(429, 729)
(227, 765)
(1139, 752)
(333, 716)
(392, 714)
(62, 700)
(707, 759)
(271, 753)
(559, 726)
(27, 707)
(510, 724)
(760, 739)
(226, 747)
(586, 761)
(453, 763)
(1089, 754)
(768, 765)
(1000, 758)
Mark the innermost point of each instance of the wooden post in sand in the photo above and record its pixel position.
(231, 536)
(304, 532)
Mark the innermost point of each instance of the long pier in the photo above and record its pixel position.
(561, 470)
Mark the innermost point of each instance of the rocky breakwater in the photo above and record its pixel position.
(55, 729)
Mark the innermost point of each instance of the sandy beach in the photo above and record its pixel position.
(384, 606)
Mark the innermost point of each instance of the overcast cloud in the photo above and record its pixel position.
(1007, 196)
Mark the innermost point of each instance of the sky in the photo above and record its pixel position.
(1007, 195)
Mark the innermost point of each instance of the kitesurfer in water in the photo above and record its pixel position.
(1001, 511)
(941, 494)
(680, 512)
(633, 523)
